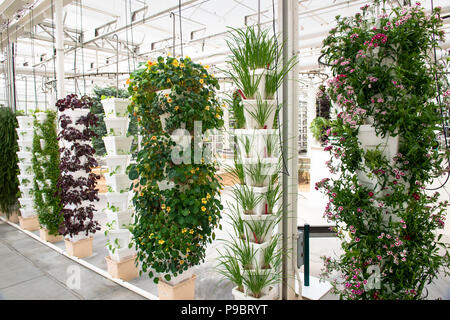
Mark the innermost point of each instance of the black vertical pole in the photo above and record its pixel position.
(306, 252)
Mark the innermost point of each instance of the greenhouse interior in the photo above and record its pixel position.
(224, 150)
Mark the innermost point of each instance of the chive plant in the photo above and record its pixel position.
(262, 113)
(246, 198)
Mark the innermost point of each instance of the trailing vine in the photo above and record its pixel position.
(173, 225)
(8, 161)
(77, 156)
(46, 194)
(384, 78)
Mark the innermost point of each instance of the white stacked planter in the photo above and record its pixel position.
(258, 152)
(25, 133)
(118, 145)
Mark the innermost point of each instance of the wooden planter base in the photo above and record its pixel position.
(184, 290)
(30, 224)
(48, 237)
(13, 217)
(125, 269)
(79, 249)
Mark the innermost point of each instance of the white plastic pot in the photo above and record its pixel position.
(259, 248)
(118, 200)
(121, 254)
(260, 74)
(250, 220)
(25, 145)
(26, 191)
(26, 204)
(115, 107)
(25, 169)
(118, 164)
(272, 294)
(25, 134)
(25, 122)
(118, 182)
(120, 219)
(122, 236)
(370, 141)
(43, 144)
(24, 157)
(26, 180)
(27, 213)
(117, 145)
(165, 185)
(117, 126)
(41, 116)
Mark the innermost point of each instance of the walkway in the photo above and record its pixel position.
(30, 270)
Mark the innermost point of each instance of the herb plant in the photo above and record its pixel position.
(73, 191)
(8, 161)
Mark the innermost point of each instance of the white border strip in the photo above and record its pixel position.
(101, 272)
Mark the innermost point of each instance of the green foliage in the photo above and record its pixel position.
(176, 224)
(384, 75)
(47, 201)
(262, 113)
(246, 198)
(318, 128)
(237, 109)
(8, 161)
(97, 108)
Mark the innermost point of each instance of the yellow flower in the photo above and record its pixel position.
(151, 235)
(188, 250)
(209, 218)
(169, 100)
(161, 241)
(200, 236)
(184, 230)
(168, 209)
(154, 138)
(204, 75)
(163, 206)
(150, 64)
(175, 63)
(166, 95)
(176, 108)
(192, 171)
(207, 108)
(206, 67)
(203, 208)
(217, 116)
(201, 81)
(169, 54)
(191, 231)
(181, 261)
(204, 201)
(128, 81)
(208, 196)
(182, 65)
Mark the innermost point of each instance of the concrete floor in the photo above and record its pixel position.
(31, 270)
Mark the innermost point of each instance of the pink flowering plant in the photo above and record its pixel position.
(384, 75)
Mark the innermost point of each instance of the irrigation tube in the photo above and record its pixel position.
(101, 272)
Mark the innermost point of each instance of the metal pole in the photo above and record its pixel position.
(59, 39)
(117, 64)
(285, 133)
(172, 15)
(306, 253)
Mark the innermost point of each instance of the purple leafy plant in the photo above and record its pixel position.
(77, 156)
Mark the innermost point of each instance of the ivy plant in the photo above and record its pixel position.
(9, 168)
(174, 225)
(46, 195)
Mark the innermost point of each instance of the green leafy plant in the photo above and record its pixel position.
(245, 79)
(8, 161)
(258, 279)
(176, 224)
(237, 222)
(273, 195)
(319, 127)
(383, 72)
(230, 269)
(247, 199)
(236, 170)
(257, 174)
(47, 201)
(260, 229)
(237, 109)
(264, 109)
(272, 256)
(274, 78)
(271, 145)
